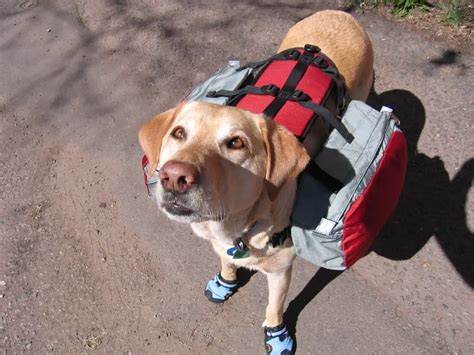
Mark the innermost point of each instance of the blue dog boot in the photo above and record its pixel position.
(278, 341)
(219, 290)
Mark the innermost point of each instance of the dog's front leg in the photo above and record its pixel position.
(224, 284)
(228, 270)
(278, 285)
(277, 337)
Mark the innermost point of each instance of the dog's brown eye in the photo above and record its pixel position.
(178, 133)
(236, 143)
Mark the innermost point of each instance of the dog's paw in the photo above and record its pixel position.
(219, 290)
(278, 340)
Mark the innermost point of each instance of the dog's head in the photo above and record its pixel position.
(216, 161)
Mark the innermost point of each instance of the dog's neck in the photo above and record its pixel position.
(256, 224)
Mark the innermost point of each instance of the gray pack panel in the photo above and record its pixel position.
(228, 78)
(318, 215)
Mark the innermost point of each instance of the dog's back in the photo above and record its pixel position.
(344, 40)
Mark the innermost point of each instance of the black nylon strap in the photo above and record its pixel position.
(279, 238)
(325, 114)
(329, 68)
(249, 89)
(295, 76)
(341, 90)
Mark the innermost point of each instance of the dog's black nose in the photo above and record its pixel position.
(178, 176)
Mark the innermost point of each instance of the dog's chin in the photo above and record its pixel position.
(181, 218)
(189, 216)
(182, 214)
(188, 208)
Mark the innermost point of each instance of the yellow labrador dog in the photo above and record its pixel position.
(232, 174)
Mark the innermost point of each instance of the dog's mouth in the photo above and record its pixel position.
(177, 209)
(189, 208)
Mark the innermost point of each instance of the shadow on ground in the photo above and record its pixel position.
(318, 282)
(431, 204)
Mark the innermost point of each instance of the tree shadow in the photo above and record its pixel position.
(448, 57)
(66, 81)
(430, 204)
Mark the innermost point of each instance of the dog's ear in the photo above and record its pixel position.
(286, 157)
(152, 133)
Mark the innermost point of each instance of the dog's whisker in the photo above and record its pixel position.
(223, 215)
(220, 211)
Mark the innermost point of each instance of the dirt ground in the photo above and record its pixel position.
(88, 265)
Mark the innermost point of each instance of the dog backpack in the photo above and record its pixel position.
(349, 191)
(292, 87)
(352, 183)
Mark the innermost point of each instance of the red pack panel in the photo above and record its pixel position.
(275, 73)
(255, 103)
(144, 163)
(292, 115)
(376, 204)
(295, 117)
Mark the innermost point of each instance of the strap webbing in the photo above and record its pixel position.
(329, 68)
(295, 76)
(330, 118)
(341, 91)
(279, 238)
(249, 89)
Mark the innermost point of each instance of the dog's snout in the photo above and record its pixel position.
(178, 176)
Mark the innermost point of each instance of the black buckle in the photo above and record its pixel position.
(312, 48)
(320, 62)
(284, 94)
(211, 93)
(270, 89)
(299, 95)
(306, 59)
(293, 54)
